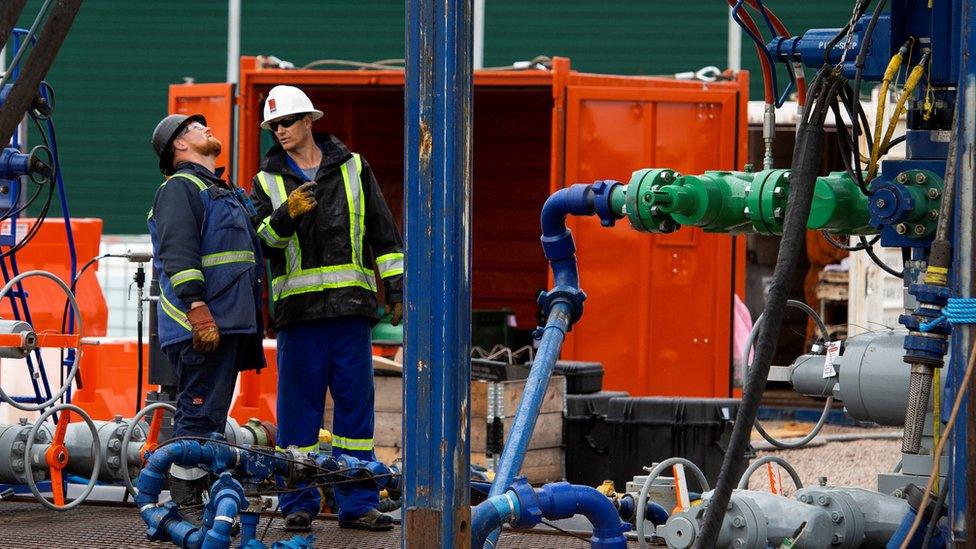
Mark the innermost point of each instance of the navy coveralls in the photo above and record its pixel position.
(324, 290)
(205, 249)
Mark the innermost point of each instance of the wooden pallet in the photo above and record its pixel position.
(493, 407)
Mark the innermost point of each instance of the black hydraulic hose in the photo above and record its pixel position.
(804, 170)
(936, 515)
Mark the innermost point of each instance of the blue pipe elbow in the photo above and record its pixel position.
(218, 537)
(563, 500)
(557, 240)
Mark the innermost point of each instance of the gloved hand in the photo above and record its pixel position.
(206, 337)
(301, 200)
(397, 309)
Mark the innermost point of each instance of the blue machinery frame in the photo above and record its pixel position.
(438, 209)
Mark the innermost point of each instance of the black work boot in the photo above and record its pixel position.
(299, 521)
(188, 497)
(372, 520)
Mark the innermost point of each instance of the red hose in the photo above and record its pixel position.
(801, 82)
(767, 70)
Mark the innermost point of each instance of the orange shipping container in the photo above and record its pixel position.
(659, 307)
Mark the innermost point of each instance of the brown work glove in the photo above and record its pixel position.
(301, 200)
(206, 337)
(397, 310)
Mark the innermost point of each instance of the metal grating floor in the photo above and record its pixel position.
(28, 525)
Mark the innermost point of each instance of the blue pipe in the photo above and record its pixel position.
(228, 505)
(525, 507)
(489, 515)
(249, 527)
(564, 303)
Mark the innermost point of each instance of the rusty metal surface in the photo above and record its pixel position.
(30, 526)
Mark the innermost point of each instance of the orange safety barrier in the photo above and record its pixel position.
(108, 376)
(48, 252)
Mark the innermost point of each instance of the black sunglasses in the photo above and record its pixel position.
(285, 122)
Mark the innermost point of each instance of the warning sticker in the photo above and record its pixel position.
(833, 351)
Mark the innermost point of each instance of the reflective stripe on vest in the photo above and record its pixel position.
(297, 280)
(269, 236)
(390, 264)
(364, 444)
(310, 449)
(173, 312)
(274, 186)
(223, 258)
(186, 276)
(189, 176)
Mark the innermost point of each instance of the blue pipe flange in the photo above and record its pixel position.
(157, 520)
(530, 513)
(601, 201)
(573, 297)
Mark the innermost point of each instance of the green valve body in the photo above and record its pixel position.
(659, 200)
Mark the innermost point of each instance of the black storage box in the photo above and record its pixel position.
(582, 378)
(646, 430)
(586, 437)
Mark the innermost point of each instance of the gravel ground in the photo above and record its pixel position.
(848, 463)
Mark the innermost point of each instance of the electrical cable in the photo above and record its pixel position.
(847, 247)
(937, 454)
(828, 403)
(805, 166)
(877, 260)
(755, 465)
(936, 516)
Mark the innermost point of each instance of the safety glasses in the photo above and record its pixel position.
(285, 122)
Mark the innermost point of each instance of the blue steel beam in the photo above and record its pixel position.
(963, 494)
(437, 335)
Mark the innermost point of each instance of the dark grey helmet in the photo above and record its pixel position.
(166, 132)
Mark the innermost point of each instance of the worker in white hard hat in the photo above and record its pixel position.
(328, 233)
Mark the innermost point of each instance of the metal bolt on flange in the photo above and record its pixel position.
(779, 192)
(823, 500)
(804, 498)
(745, 211)
(933, 193)
(646, 197)
(738, 522)
(655, 210)
(921, 178)
(836, 517)
(115, 444)
(836, 539)
(901, 228)
(667, 177)
(880, 203)
(902, 178)
(933, 214)
(748, 189)
(919, 229)
(778, 213)
(739, 542)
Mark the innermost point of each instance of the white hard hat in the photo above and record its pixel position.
(285, 101)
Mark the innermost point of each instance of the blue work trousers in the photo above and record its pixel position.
(333, 354)
(206, 384)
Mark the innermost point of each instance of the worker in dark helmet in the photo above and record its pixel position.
(329, 236)
(208, 261)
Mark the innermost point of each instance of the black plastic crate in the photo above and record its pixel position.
(586, 437)
(645, 430)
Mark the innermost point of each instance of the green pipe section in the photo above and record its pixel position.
(659, 200)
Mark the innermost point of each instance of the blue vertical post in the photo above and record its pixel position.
(437, 338)
(963, 283)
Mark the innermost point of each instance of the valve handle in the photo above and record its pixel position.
(57, 456)
(152, 436)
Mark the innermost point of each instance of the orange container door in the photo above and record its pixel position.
(216, 103)
(658, 311)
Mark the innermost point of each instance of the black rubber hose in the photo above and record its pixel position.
(936, 515)
(804, 169)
